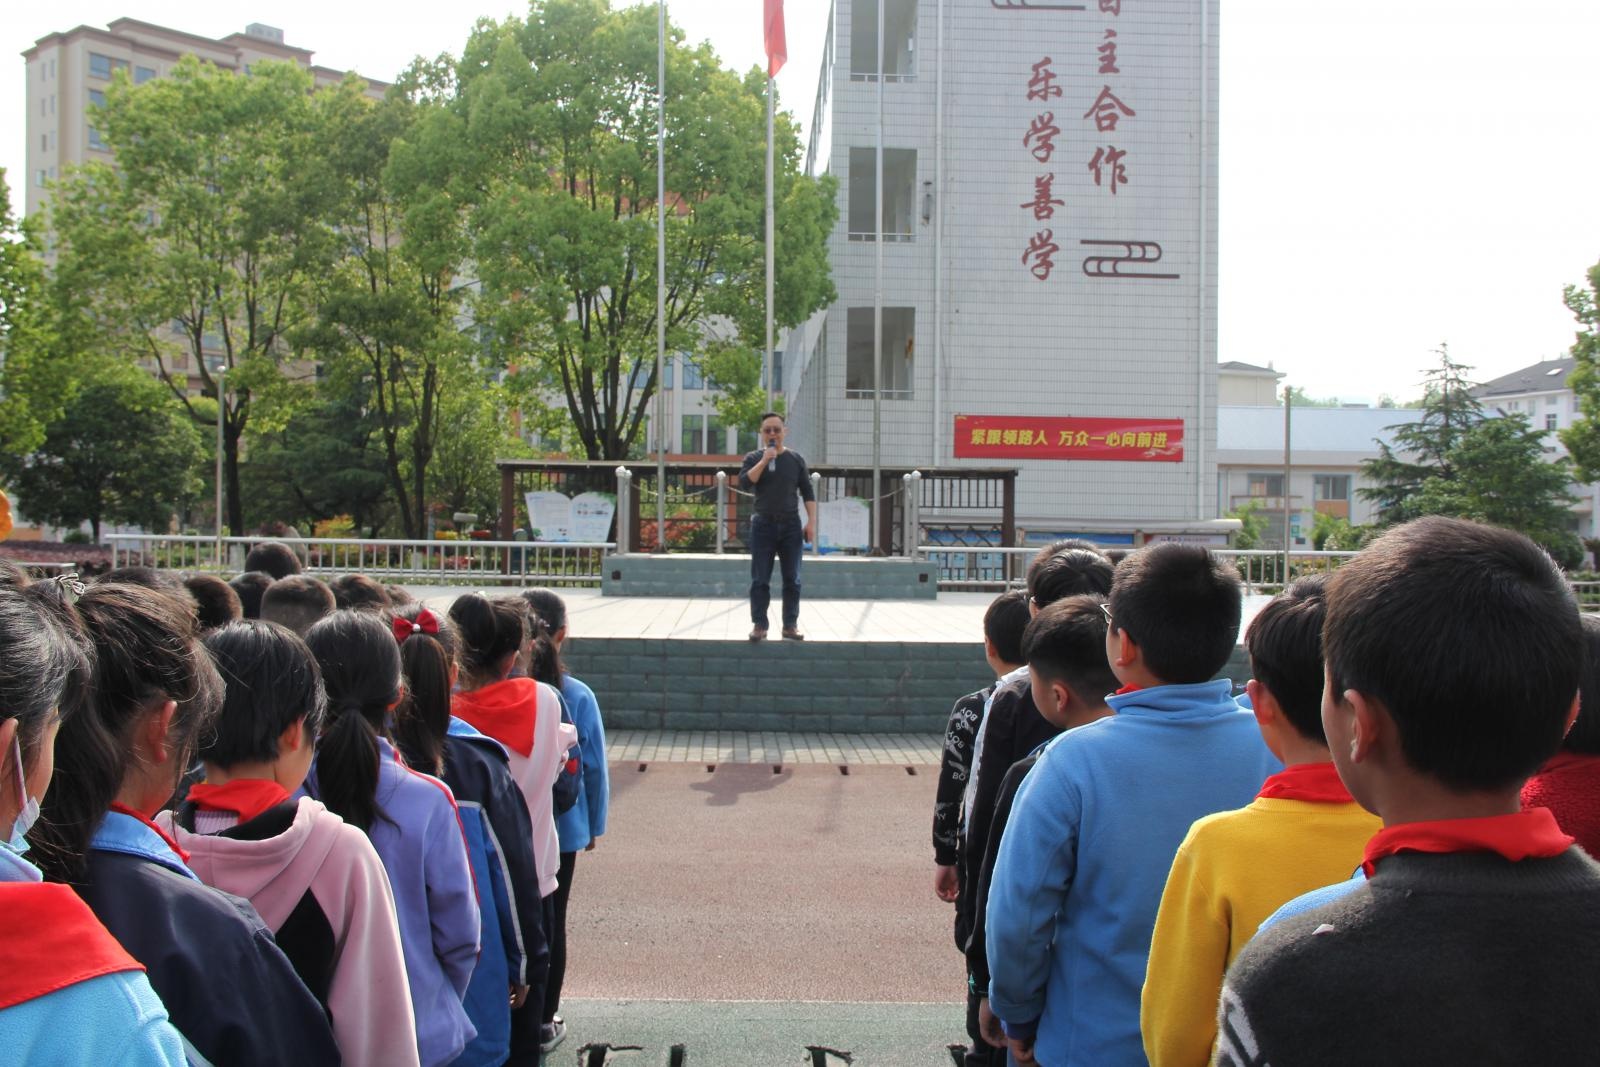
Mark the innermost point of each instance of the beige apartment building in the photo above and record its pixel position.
(68, 72)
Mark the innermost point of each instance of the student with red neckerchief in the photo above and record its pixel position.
(315, 879)
(1569, 782)
(1235, 868)
(69, 993)
(231, 992)
(1453, 653)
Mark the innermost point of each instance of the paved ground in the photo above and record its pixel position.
(745, 914)
(731, 746)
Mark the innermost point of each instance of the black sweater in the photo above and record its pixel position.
(1462, 958)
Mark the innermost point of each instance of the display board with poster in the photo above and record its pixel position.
(585, 518)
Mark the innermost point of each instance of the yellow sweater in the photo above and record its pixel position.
(1233, 870)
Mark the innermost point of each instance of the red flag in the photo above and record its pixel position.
(777, 50)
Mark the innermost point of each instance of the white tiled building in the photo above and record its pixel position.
(1540, 392)
(1038, 157)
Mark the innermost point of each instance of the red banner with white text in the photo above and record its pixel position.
(1067, 437)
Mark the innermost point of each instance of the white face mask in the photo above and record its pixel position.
(29, 813)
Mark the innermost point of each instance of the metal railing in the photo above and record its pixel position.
(465, 562)
(982, 567)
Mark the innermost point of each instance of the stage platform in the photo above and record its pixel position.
(709, 574)
(684, 663)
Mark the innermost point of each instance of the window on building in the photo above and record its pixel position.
(1264, 484)
(104, 66)
(692, 434)
(899, 193)
(748, 441)
(143, 74)
(94, 138)
(44, 142)
(97, 98)
(1551, 401)
(1329, 486)
(899, 40)
(899, 347)
(1551, 420)
(41, 107)
(693, 377)
(42, 178)
(777, 372)
(716, 435)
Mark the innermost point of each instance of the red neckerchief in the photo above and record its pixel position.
(245, 797)
(1316, 782)
(1562, 761)
(53, 941)
(123, 809)
(1129, 688)
(1527, 834)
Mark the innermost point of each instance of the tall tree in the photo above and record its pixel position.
(558, 117)
(323, 461)
(122, 451)
(1422, 449)
(32, 389)
(202, 242)
(1582, 438)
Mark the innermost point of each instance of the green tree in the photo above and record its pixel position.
(1301, 400)
(323, 461)
(1422, 449)
(32, 387)
(200, 245)
(121, 452)
(557, 120)
(1253, 525)
(463, 475)
(1582, 438)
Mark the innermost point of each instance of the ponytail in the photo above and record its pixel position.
(489, 631)
(361, 673)
(423, 718)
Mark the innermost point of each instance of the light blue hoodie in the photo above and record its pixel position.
(1086, 854)
(586, 819)
(112, 1018)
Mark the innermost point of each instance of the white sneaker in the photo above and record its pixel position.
(552, 1034)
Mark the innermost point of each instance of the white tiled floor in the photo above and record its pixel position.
(666, 746)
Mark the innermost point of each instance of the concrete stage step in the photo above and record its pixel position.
(640, 574)
(683, 664)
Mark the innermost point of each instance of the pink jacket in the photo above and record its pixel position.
(320, 854)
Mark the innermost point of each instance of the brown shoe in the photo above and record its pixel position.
(758, 634)
(793, 635)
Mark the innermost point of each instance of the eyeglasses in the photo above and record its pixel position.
(1105, 609)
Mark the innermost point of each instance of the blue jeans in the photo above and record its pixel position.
(781, 537)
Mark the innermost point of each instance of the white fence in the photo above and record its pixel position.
(979, 567)
(433, 562)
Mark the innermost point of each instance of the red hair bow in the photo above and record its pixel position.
(426, 622)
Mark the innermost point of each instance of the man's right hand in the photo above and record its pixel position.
(770, 454)
(944, 882)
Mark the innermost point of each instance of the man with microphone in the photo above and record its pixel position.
(775, 474)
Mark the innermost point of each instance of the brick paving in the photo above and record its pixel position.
(737, 746)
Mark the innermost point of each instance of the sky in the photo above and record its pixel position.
(1393, 176)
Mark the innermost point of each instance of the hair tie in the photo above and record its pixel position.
(426, 622)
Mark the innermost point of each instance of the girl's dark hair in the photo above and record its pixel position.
(424, 716)
(1585, 733)
(44, 661)
(147, 651)
(272, 682)
(488, 631)
(544, 658)
(546, 605)
(361, 673)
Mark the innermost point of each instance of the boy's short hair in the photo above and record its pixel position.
(1180, 604)
(1069, 572)
(274, 558)
(297, 602)
(1585, 733)
(1285, 645)
(1003, 623)
(250, 586)
(271, 681)
(1468, 635)
(357, 592)
(1066, 643)
(215, 602)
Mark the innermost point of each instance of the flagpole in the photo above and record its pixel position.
(766, 365)
(877, 310)
(661, 275)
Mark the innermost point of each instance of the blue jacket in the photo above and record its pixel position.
(111, 1018)
(419, 837)
(500, 843)
(586, 820)
(231, 992)
(1086, 854)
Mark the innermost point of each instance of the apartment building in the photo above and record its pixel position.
(1540, 392)
(1047, 239)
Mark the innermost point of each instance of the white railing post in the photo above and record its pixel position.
(624, 510)
(722, 509)
(816, 527)
(911, 513)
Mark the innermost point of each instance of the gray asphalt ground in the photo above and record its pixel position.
(745, 915)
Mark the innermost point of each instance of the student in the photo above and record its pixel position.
(215, 602)
(273, 558)
(525, 716)
(411, 819)
(250, 586)
(1236, 868)
(1065, 650)
(69, 992)
(229, 989)
(1099, 818)
(1569, 783)
(1453, 658)
(495, 818)
(357, 592)
(297, 602)
(316, 881)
